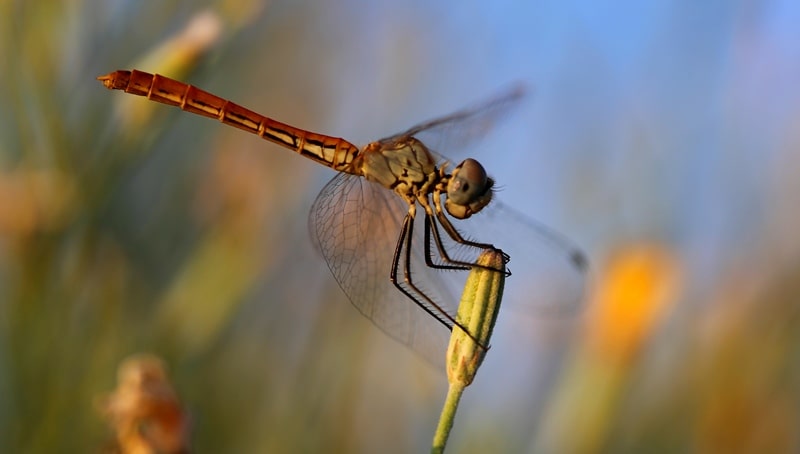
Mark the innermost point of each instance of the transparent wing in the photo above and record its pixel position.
(356, 225)
(453, 133)
(548, 272)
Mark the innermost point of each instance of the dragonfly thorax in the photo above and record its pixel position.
(469, 189)
(403, 165)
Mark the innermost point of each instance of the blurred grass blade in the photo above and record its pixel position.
(480, 303)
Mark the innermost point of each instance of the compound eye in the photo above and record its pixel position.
(469, 189)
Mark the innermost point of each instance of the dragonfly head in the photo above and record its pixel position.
(468, 190)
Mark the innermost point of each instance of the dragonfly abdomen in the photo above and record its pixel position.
(331, 151)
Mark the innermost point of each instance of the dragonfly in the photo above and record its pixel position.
(363, 221)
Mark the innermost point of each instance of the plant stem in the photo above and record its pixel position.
(447, 417)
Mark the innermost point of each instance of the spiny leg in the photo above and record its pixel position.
(405, 232)
(407, 273)
(431, 227)
(405, 242)
(448, 227)
(449, 264)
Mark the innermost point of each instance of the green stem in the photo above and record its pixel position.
(447, 417)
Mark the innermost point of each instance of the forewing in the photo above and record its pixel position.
(454, 133)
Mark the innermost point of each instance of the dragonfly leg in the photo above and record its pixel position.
(403, 249)
(431, 227)
(448, 227)
(449, 264)
(453, 233)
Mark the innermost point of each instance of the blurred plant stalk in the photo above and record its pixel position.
(480, 303)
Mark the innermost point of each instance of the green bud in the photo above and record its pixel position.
(477, 312)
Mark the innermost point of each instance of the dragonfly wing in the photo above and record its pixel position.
(460, 130)
(356, 225)
(549, 272)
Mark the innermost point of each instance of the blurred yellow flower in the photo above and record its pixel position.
(640, 283)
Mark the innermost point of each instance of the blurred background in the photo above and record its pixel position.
(661, 138)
